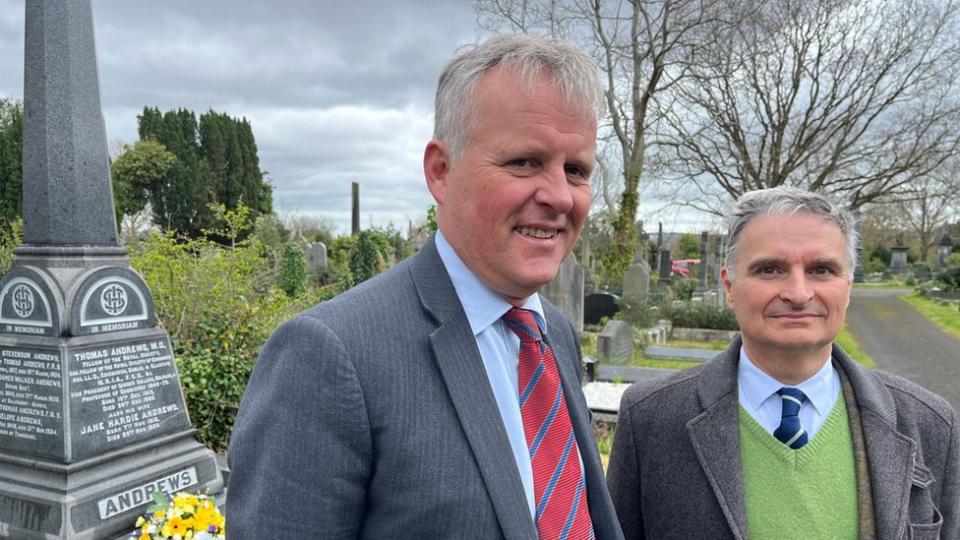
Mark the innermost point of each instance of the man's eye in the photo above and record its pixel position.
(576, 172)
(824, 271)
(768, 270)
(521, 163)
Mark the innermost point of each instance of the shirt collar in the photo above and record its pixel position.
(758, 386)
(482, 305)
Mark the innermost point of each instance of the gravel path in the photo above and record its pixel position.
(902, 341)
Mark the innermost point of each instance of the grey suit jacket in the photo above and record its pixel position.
(371, 416)
(675, 469)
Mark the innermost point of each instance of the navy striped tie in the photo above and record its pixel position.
(790, 432)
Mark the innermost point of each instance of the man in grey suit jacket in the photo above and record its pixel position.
(731, 449)
(392, 411)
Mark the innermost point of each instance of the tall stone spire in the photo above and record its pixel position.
(67, 193)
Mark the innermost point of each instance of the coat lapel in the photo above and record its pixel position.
(891, 455)
(461, 367)
(716, 438)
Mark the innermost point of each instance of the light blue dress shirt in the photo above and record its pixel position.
(758, 395)
(499, 349)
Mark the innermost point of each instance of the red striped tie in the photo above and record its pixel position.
(559, 487)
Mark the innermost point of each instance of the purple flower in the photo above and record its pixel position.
(212, 528)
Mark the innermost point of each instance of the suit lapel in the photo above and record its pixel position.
(461, 367)
(716, 438)
(891, 455)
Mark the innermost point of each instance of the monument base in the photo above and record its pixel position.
(99, 497)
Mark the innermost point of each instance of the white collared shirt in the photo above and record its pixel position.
(499, 349)
(758, 395)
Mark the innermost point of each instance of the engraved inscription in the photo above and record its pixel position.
(123, 392)
(142, 495)
(30, 403)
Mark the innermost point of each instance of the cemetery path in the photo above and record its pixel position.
(903, 341)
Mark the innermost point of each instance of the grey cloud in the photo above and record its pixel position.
(336, 91)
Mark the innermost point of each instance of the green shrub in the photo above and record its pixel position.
(293, 271)
(949, 279)
(700, 315)
(639, 313)
(219, 304)
(874, 266)
(683, 287)
(9, 239)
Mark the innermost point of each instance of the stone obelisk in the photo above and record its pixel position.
(92, 415)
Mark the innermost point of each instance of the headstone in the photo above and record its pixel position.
(636, 280)
(898, 259)
(711, 297)
(659, 244)
(666, 267)
(598, 305)
(354, 208)
(704, 239)
(944, 249)
(566, 291)
(615, 343)
(92, 415)
(316, 257)
(858, 275)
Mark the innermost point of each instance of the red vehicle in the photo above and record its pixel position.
(682, 266)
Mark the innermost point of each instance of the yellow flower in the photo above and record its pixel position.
(204, 517)
(176, 526)
(159, 514)
(144, 536)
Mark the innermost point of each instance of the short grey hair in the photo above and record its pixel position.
(574, 73)
(789, 200)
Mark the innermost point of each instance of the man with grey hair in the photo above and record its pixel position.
(783, 435)
(441, 399)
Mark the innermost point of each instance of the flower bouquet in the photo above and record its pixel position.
(183, 516)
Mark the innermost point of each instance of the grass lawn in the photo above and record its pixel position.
(946, 317)
(882, 285)
(710, 345)
(851, 346)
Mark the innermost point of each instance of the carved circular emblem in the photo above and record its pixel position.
(23, 301)
(113, 299)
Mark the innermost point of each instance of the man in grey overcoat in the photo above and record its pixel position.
(413, 405)
(783, 436)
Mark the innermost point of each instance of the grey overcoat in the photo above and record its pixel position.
(371, 416)
(675, 469)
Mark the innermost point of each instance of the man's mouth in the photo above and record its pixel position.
(535, 232)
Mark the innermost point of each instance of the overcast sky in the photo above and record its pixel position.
(336, 91)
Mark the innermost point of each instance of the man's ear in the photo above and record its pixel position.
(436, 167)
(725, 280)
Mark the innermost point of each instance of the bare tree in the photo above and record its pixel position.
(851, 98)
(928, 205)
(643, 48)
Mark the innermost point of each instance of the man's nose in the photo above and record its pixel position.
(796, 288)
(555, 190)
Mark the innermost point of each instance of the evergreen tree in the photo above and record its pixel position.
(11, 161)
(137, 173)
(216, 164)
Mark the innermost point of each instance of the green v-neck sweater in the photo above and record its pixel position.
(810, 493)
